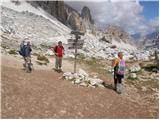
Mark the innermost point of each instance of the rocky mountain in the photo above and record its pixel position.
(148, 41)
(67, 15)
(24, 22)
(82, 21)
(151, 40)
(113, 32)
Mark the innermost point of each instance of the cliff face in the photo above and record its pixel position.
(82, 21)
(55, 8)
(67, 15)
(117, 33)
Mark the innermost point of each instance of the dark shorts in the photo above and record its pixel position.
(119, 76)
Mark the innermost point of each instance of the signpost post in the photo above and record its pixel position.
(76, 44)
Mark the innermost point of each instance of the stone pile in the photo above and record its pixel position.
(83, 79)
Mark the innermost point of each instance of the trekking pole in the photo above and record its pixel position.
(75, 60)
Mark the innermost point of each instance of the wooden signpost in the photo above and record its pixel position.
(76, 44)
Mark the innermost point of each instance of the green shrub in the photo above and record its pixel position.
(14, 52)
(150, 67)
(42, 58)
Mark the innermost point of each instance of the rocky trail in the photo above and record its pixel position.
(43, 94)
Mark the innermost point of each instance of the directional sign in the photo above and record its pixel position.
(71, 40)
(73, 47)
(77, 33)
(72, 43)
(76, 44)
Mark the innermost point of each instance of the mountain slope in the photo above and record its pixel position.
(24, 21)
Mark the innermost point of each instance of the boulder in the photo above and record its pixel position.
(83, 73)
(144, 89)
(135, 68)
(155, 70)
(133, 76)
(95, 81)
(83, 84)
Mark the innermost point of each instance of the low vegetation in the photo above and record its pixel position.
(42, 60)
(13, 52)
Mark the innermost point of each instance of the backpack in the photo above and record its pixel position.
(55, 49)
(121, 67)
(22, 50)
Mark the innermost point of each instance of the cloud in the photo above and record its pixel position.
(154, 23)
(125, 13)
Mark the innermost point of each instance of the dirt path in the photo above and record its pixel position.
(42, 94)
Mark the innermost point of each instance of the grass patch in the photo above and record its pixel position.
(13, 52)
(130, 78)
(42, 59)
(150, 67)
(96, 65)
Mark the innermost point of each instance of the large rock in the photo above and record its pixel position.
(83, 73)
(132, 76)
(135, 68)
(94, 81)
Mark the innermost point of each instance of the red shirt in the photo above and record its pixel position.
(59, 50)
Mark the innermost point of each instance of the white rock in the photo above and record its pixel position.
(83, 84)
(70, 77)
(133, 75)
(67, 74)
(100, 85)
(77, 81)
(95, 81)
(144, 89)
(135, 68)
(82, 72)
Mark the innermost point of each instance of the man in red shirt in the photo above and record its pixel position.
(59, 51)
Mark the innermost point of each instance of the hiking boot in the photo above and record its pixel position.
(115, 87)
(119, 88)
(24, 65)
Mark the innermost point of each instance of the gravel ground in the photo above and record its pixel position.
(42, 94)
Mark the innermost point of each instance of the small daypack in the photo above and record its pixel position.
(121, 67)
(22, 50)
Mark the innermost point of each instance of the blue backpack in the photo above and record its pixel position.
(22, 50)
(121, 67)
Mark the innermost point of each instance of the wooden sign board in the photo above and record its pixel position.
(73, 47)
(71, 44)
(73, 41)
(77, 33)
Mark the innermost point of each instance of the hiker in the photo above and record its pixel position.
(22, 52)
(28, 62)
(119, 69)
(59, 51)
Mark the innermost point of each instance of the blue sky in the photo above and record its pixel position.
(150, 9)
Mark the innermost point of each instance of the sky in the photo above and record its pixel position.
(134, 16)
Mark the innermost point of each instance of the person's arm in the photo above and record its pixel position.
(114, 62)
(30, 49)
(63, 51)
